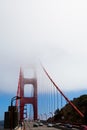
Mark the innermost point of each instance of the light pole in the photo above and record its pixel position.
(14, 98)
(11, 111)
(46, 116)
(51, 116)
(41, 117)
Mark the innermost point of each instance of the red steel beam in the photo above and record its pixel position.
(18, 89)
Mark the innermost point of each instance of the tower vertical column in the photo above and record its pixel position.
(35, 99)
(28, 100)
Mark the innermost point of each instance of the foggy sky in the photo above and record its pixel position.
(54, 31)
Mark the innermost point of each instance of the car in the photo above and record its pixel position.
(35, 124)
(40, 124)
(68, 125)
(58, 124)
(49, 125)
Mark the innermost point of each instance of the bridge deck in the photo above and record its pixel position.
(29, 126)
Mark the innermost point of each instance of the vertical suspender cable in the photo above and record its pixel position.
(54, 98)
(78, 111)
(49, 100)
(57, 101)
(51, 97)
(61, 101)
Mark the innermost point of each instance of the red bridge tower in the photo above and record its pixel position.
(27, 100)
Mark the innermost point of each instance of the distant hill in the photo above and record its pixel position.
(68, 114)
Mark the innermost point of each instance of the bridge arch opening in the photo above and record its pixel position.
(28, 112)
(28, 90)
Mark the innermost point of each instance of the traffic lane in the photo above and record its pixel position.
(44, 127)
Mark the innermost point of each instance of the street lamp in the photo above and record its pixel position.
(14, 98)
(41, 117)
(51, 116)
(46, 116)
(12, 110)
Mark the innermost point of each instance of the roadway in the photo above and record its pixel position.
(29, 126)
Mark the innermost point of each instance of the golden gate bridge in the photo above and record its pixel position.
(51, 101)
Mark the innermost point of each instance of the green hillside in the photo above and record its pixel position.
(68, 114)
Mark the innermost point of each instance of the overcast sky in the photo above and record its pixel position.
(54, 31)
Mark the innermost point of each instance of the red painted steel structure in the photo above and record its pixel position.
(18, 89)
(33, 100)
(27, 100)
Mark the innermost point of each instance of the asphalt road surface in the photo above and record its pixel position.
(29, 126)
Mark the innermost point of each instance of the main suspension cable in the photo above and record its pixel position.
(78, 111)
